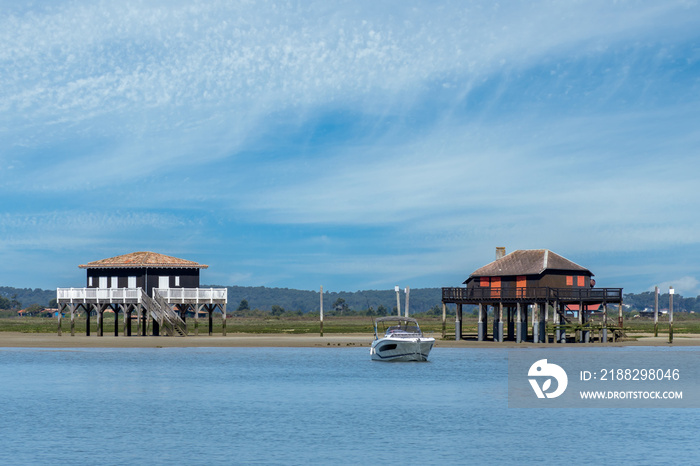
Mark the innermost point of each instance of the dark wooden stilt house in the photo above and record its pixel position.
(160, 289)
(536, 281)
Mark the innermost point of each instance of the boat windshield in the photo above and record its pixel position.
(398, 328)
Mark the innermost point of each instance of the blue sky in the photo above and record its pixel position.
(354, 145)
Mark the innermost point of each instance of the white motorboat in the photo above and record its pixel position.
(403, 340)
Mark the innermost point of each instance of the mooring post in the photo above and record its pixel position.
(458, 323)
(671, 291)
(320, 313)
(444, 319)
(656, 311)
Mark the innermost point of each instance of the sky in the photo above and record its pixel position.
(350, 144)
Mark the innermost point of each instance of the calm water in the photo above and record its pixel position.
(304, 405)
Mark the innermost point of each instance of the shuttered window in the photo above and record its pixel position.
(569, 280)
(581, 280)
(484, 281)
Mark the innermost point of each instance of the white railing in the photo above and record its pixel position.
(108, 295)
(133, 295)
(198, 295)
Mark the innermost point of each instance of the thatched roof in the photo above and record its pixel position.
(528, 262)
(142, 259)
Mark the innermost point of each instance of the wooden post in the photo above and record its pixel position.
(671, 291)
(408, 291)
(444, 318)
(398, 301)
(223, 313)
(518, 324)
(115, 308)
(656, 311)
(210, 308)
(604, 336)
(535, 323)
(458, 323)
(499, 330)
(60, 311)
(480, 324)
(320, 313)
(100, 318)
(197, 310)
(72, 320)
(88, 310)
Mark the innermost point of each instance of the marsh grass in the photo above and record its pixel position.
(683, 324)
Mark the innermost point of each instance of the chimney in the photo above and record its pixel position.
(500, 252)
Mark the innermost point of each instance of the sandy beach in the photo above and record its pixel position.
(46, 340)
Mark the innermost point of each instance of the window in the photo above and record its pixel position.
(484, 281)
(177, 280)
(132, 282)
(581, 280)
(89, 281)
(103, 282)
(115, 282)
(164, 282)
(569, 280)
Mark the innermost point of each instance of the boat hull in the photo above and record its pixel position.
(401, 349)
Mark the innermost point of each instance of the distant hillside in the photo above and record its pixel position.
(260, 297)
(27, 296)
(263, 298)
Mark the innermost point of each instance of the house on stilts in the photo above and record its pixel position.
(533, 292)
(158, 290)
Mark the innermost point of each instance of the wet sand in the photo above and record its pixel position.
(47, 340)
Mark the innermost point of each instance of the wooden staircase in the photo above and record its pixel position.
(167, 318)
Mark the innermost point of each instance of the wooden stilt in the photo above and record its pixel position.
(210, 308)
(60, 312)
(72, 320)
(88, 311)
(223, 314)
(444, 319)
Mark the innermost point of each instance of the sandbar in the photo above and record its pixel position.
(49, 340)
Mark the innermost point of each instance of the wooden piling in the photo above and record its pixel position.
(656, 311)
(60, 312)
(444, 319)
(671, 291)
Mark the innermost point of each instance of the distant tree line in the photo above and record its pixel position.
(279, 301)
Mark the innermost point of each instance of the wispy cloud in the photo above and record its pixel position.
(404, 136)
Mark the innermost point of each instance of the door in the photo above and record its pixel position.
(132, 282)
(103, 282)
(521, 286)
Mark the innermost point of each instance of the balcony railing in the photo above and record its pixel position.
(531, 294)
(104, 295)
(134, 295)
(190, 295)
